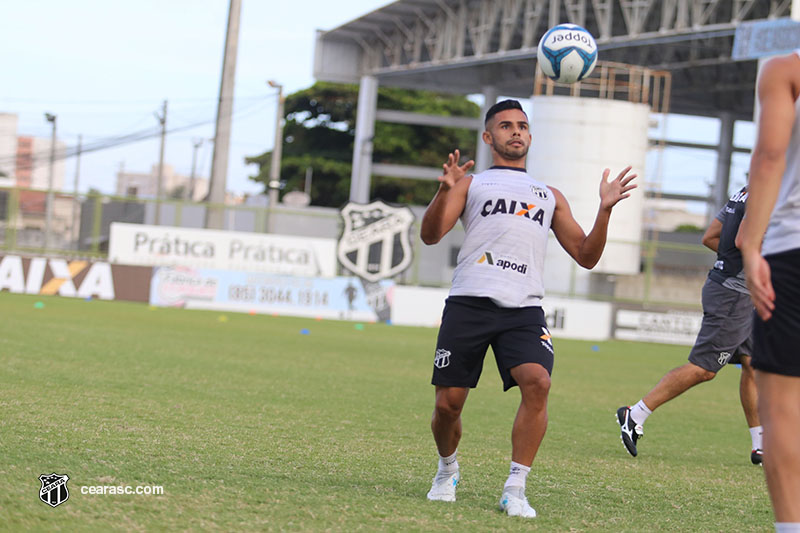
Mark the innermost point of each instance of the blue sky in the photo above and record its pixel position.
(104, 67)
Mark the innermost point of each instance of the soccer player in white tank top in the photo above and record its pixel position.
(774, 280)
(508, 135)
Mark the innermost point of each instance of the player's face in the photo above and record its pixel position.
(509, 134)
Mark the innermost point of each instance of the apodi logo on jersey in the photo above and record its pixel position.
(503, 262)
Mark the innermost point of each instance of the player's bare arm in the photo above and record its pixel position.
(778, 88)
(449, 201)
(711, 237)
(587, 249)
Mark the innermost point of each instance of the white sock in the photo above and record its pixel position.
(640, 412)
(787, 527)
(447, 466)
(755, 436)
(517, 476)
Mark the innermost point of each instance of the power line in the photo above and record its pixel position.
(117, 141)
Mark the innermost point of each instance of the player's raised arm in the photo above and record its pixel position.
(449, 201)
(587, 249)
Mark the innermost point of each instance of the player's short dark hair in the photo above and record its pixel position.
(503, 106)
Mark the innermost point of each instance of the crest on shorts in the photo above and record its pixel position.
(54, 490)
(442, 358)
(724, 357)
(374, 244)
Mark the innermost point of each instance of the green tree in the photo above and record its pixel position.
(319, 132)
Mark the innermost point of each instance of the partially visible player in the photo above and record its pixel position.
(773, 276)
(497, 290)
(724, 337)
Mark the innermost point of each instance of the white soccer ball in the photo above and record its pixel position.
(567, 53)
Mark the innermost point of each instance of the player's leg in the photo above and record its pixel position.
(446, 428)
(674, 383)
(749, 399)
(779, 408)
(725, 327)
(458, 361)
(524, 355)
(530, 423)
(527, 433)
(446, 419)
(777, 364)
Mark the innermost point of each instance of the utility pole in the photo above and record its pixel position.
(222, 136)
(162, 119)
(196, 144)
(75, 194)
(48, 217)
(274, 183)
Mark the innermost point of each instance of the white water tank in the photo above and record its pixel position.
(574, 139)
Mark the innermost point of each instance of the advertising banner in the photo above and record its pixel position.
(566, 318)
(76, 278)
(343, 298)
(669, 327)
(139, 244)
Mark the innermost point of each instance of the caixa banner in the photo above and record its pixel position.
(139, 244)
(77, 278)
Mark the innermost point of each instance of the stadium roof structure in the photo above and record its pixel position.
(708, 49)
(462, 46)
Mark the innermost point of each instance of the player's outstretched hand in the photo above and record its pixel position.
(617, 189)
(452, 171)
(759, 281)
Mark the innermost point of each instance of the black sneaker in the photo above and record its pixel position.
(630, 431)
(756, 456)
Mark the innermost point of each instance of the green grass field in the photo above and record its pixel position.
(250, 425)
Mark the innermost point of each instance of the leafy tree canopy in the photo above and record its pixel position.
(319, 132)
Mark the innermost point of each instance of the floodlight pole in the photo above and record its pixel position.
(48, 217)
(274, 183)
(75, 193)
(162, 120)
(196, 144)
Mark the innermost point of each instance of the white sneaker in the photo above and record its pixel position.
(516, 505)
(445, 489)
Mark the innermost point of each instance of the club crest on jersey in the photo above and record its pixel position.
(501, 206)
(374, 244)
(539, 192)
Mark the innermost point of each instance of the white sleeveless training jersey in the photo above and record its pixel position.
(783, 232)
(506, 219)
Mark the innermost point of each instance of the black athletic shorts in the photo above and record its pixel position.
(471, 324)
(777, 341)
